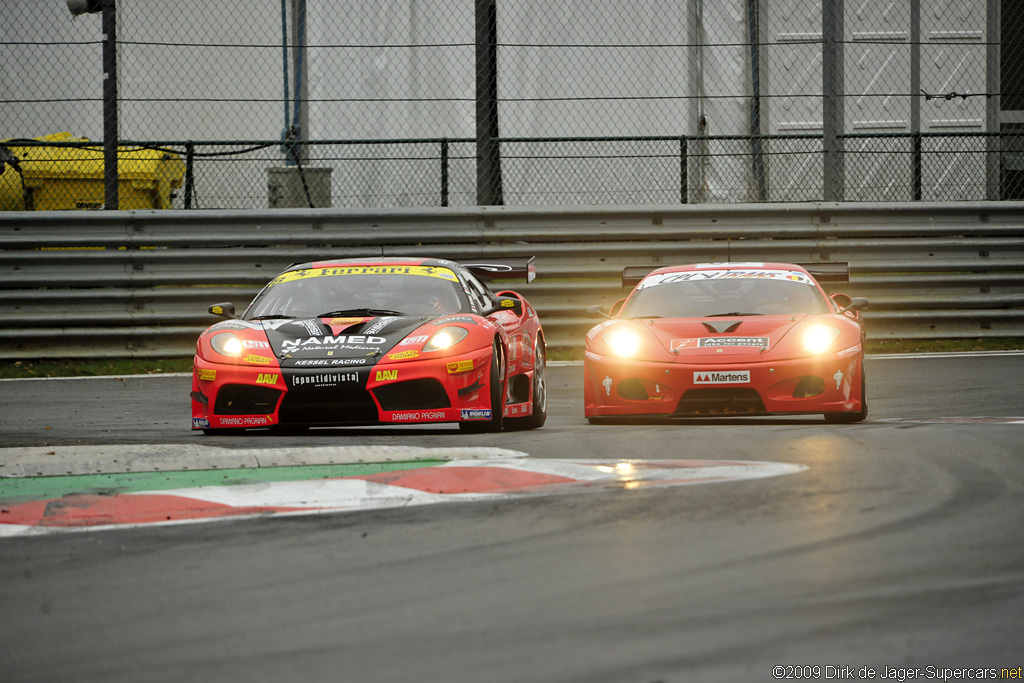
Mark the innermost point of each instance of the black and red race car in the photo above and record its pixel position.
(375, 341)
(728, 339)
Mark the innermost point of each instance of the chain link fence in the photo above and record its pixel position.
(250, 104)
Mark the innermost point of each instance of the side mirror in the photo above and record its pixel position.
(225, 310)
(508, 303)
(848, 303)
(596, 312)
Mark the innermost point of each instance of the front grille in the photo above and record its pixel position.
(338, 404)
(242, 399)
(417, 394)
(717, 401)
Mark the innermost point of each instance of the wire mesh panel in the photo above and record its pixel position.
(346, 103)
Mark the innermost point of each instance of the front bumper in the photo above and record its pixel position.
(440, 389)
(823, 384)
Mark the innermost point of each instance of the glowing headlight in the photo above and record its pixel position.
(623, 341)
(819, 338)
(226, 344)
(449, 336)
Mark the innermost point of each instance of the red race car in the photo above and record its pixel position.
(728, 339)
(372, 341)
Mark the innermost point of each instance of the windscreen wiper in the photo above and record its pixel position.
(275, 316)
(724, 315)
(360, 311)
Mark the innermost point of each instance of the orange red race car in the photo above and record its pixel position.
(728, 339)
(375, 341)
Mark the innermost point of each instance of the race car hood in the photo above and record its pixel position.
(360, 340)
(726, 339)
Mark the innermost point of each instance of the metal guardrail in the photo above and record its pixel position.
(137, 283)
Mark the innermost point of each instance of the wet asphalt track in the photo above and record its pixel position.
(900, 546)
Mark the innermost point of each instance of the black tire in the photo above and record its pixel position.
(497, 389)
(540, 392)
(860, 415)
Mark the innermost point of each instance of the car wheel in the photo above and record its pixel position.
(497, 404)
(860, 415)
(540, 392)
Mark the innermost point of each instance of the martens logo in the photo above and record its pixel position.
(387, 375)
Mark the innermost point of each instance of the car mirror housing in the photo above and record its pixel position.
(508, 303)
(224, 310)
(848, 303)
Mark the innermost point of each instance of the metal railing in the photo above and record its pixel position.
(137, 283)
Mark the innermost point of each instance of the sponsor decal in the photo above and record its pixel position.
(331, 361)
(838, 377)
(476, 414)
(339, 341)
(597, 328)
(217, 310)
(207, 374)
(851, 350)
(746, 264)
(847, 320)
(454, 319)
(347, 321)
(200, 423)
(247, 421)
(324, 379)
(255, 344)
(591, 355)
(460, 366)
(232, 325)
(706, 342)
(722, 377)
(258, 360)
(507, 303)
(700, 275)
(419, 415)
(311, 327)
(266, 378)
(607, 384)
(423, 271)
(400, 355)
(379, 325)
(418, 339)
(386, 375)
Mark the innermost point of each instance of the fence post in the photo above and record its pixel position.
(488, 151)
(832, 99)
(684, 180)
(444, 172)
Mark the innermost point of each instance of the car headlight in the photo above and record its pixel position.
(226, 344)
(818, 338)
(447, 337)
(623, 341)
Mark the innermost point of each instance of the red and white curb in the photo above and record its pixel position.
(457, 480)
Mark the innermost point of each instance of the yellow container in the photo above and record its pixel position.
(63, 178)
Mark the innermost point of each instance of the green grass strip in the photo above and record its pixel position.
(24, 489)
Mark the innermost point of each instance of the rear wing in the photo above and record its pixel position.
(503, 268)
(825, 273)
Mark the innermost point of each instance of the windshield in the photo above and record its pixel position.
(701, 294)
(362, 290)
